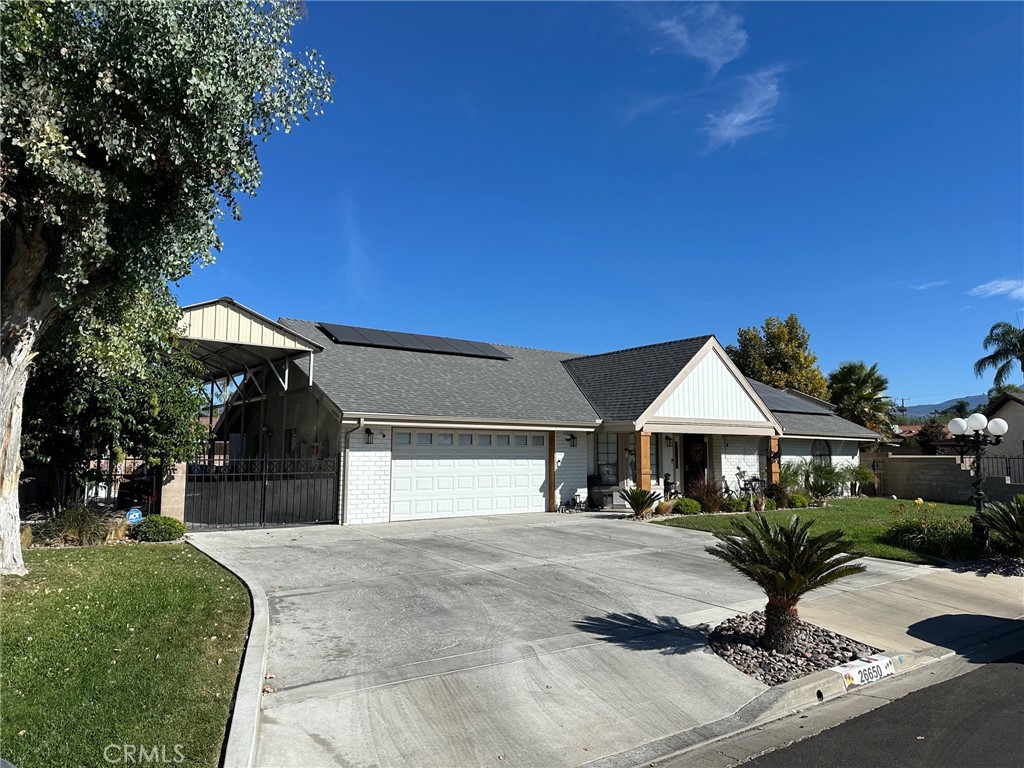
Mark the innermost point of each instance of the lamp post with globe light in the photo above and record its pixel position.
(973, 435)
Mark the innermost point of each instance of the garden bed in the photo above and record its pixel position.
(128, 646)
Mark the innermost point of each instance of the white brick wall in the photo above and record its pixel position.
(571, 466)
(732, 452)
(369, 478)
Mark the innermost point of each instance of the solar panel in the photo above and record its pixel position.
(438, 344)
(418, 342)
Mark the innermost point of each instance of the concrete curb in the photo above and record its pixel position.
(240, 745)
(798, 696)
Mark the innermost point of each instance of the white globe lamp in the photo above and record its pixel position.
(957, 426)
(998, 427)
(976, 422)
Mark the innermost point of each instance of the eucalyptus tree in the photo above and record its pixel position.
(128, 130)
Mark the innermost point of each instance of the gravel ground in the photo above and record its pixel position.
(736, 641)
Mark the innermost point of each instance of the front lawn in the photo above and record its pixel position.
(116, 648)
(864, 520)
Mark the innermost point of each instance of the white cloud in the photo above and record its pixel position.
(751, 114)
(931, 284)
(706, 32)
(1014, 288)
(358, 272)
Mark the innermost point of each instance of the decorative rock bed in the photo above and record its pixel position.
(736, 641)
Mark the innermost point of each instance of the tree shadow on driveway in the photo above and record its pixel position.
(638, 633)
(966, 634)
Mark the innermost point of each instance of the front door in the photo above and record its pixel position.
(694, 458)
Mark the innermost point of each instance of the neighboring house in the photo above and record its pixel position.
(1010, 408)
(426, 427)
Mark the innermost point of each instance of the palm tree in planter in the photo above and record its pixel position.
(640, 501)
(786, 562)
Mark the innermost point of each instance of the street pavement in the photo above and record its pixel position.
(976, 719)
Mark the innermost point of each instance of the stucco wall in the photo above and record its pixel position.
(1013, 444)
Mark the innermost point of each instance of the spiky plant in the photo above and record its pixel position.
(1007, 520)
(786, 562)
(640, 501)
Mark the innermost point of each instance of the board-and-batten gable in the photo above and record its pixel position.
(710, 395)
(226, 321)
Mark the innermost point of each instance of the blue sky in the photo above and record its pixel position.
(587, 177)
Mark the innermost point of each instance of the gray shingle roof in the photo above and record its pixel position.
(621, 385)
(532, 386)
(800, 416)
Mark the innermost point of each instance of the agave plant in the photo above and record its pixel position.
(786, 562)
(640, 501)
(1007, 520)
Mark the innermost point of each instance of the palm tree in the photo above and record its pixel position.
(858, 393)
(1007, 343)
(786, 563)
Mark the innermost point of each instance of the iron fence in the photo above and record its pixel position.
(1010, 467)
(255, 492)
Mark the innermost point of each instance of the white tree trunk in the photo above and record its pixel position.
(13, 377)
(26, 308)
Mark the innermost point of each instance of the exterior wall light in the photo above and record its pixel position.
(369, 436)
(571, 440)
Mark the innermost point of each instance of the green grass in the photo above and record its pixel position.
(863, 520)
(118, 644)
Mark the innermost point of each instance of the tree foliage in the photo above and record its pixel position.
(114, 381)
(858, 394)
(778, 354)
(128, 130)
(1006, 341)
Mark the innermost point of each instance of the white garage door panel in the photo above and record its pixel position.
(432, 480)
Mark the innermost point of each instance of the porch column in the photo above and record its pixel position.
(774, 469)
(643, 460)
(552, 501)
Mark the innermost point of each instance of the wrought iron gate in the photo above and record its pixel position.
(254, 492)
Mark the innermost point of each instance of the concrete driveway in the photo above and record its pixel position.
(519, 640)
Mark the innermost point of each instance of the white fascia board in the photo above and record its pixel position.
(831, 437)
(404, 420)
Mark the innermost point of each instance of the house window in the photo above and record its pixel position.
(403, 438)
(520, 439)
(424, 438)
(483, 440)
(538, 439)
(502, 439)
(445, 438)
(608, 458)
(821, 452)
(465, 439)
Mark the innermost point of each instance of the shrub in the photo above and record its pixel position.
(77, 524)
(158, 528)
(1006, 522)
(26, 537)
(823, 482)
(735, 505)
(686, 506)
(769, 505)
(637, 499)
(708, 492)
(941, 538)
(777, 494)
(798, 501)
(665, 508)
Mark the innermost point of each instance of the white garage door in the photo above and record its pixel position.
(454, 474)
